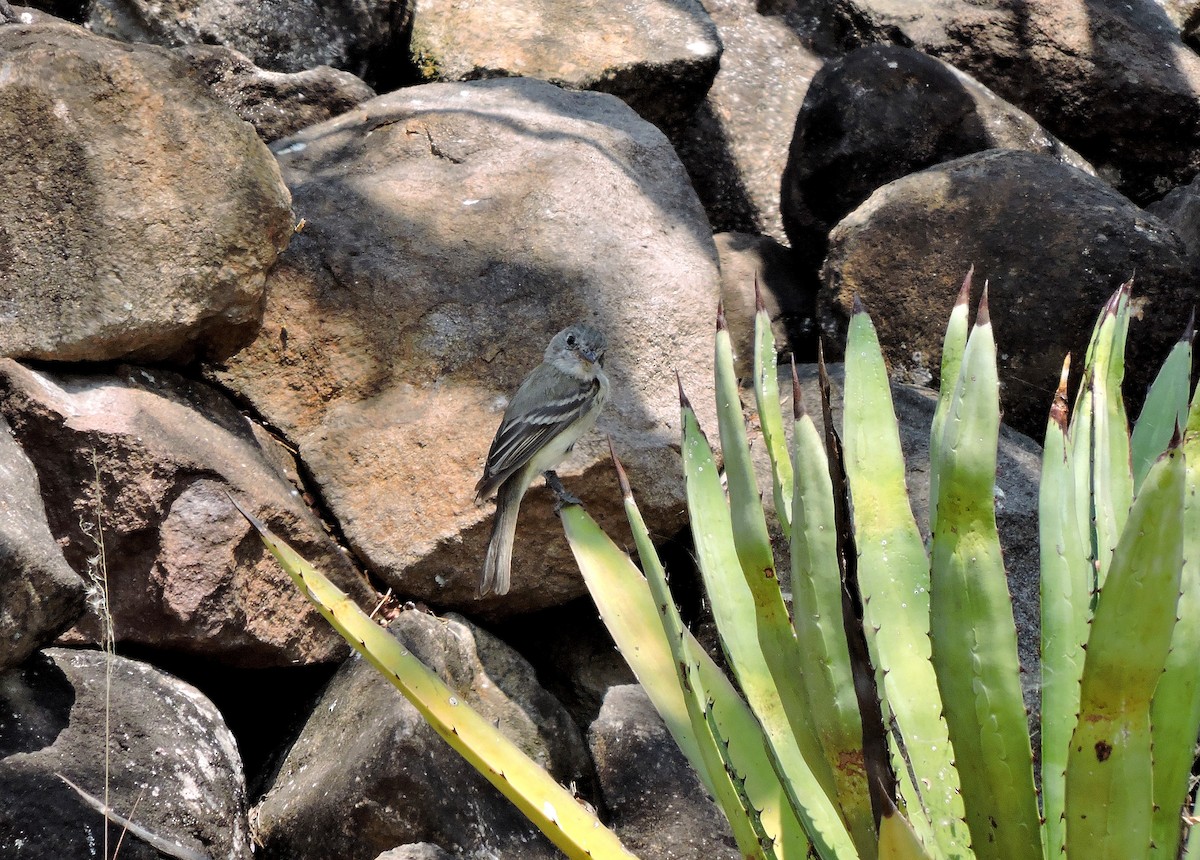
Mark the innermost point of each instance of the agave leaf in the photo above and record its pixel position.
(631, 615)
(1109, 790)
(972, 629)
(553, 809)
(825, 671)
(718, 765)
(893, 573)
(1175, 713)
(736, 611)
(898, 840)
(751, 542)
(1065, 595)
(766, 392)
(1112, 477)
(953, 346)
(1166, 407)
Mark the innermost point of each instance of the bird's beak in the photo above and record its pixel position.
(589, 355)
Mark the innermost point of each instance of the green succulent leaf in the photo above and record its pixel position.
(1165, 409)
(736, 608)
(1065, 597)
(553, 809)
(973, 633)
(953, 345)
(632, 616)
(893, 575)
(766, 392)
(1175, 712)
(1109, 788)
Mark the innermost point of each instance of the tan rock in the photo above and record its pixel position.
(139, 215)
(451, 230)
(659, 56)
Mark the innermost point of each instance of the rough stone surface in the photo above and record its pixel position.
(789, 298)
(1053, 242)
(416, 851)
(881, 113)
(185, 570)
(367, 773)
(173, 761)
(1111, 78)
(283, 35)
(657, 803)
(1180, 210)
(275, 103)
(735, 146)
(452, 229)
(40, 595)
(139, 215)
(573, 654)
(659, 56)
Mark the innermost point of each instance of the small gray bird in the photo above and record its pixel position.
(556, 404)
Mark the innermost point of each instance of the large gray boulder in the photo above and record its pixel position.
(658, 56)
(450, 231)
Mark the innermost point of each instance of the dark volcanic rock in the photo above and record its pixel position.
(1052, 241)
(275, 103)
(881, 113)
(174, 767)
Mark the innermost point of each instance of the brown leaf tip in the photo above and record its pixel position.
(983, 316)
(622, 478)
(797, 396)
(1114, 301)
(759, 305)
(684, 403)
(964, 292)
(1058, 409)
(857, 306)
(1189, 333)
(721, 325)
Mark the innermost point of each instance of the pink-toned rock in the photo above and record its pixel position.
(139, 215)
(185, 571)
(451, 230)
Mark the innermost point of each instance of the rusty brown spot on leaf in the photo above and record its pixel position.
(1103, 750)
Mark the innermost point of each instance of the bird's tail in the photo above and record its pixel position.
(497, 566)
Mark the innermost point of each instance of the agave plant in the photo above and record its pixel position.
(892, 684)
(880, 714)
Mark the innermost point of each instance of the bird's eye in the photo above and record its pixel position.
(570, 340)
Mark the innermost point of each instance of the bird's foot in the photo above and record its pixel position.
(561, 497)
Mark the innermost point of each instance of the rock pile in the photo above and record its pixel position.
(300, 253)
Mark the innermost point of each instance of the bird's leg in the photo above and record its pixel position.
(561, 497)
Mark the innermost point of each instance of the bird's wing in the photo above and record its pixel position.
(533, 419)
